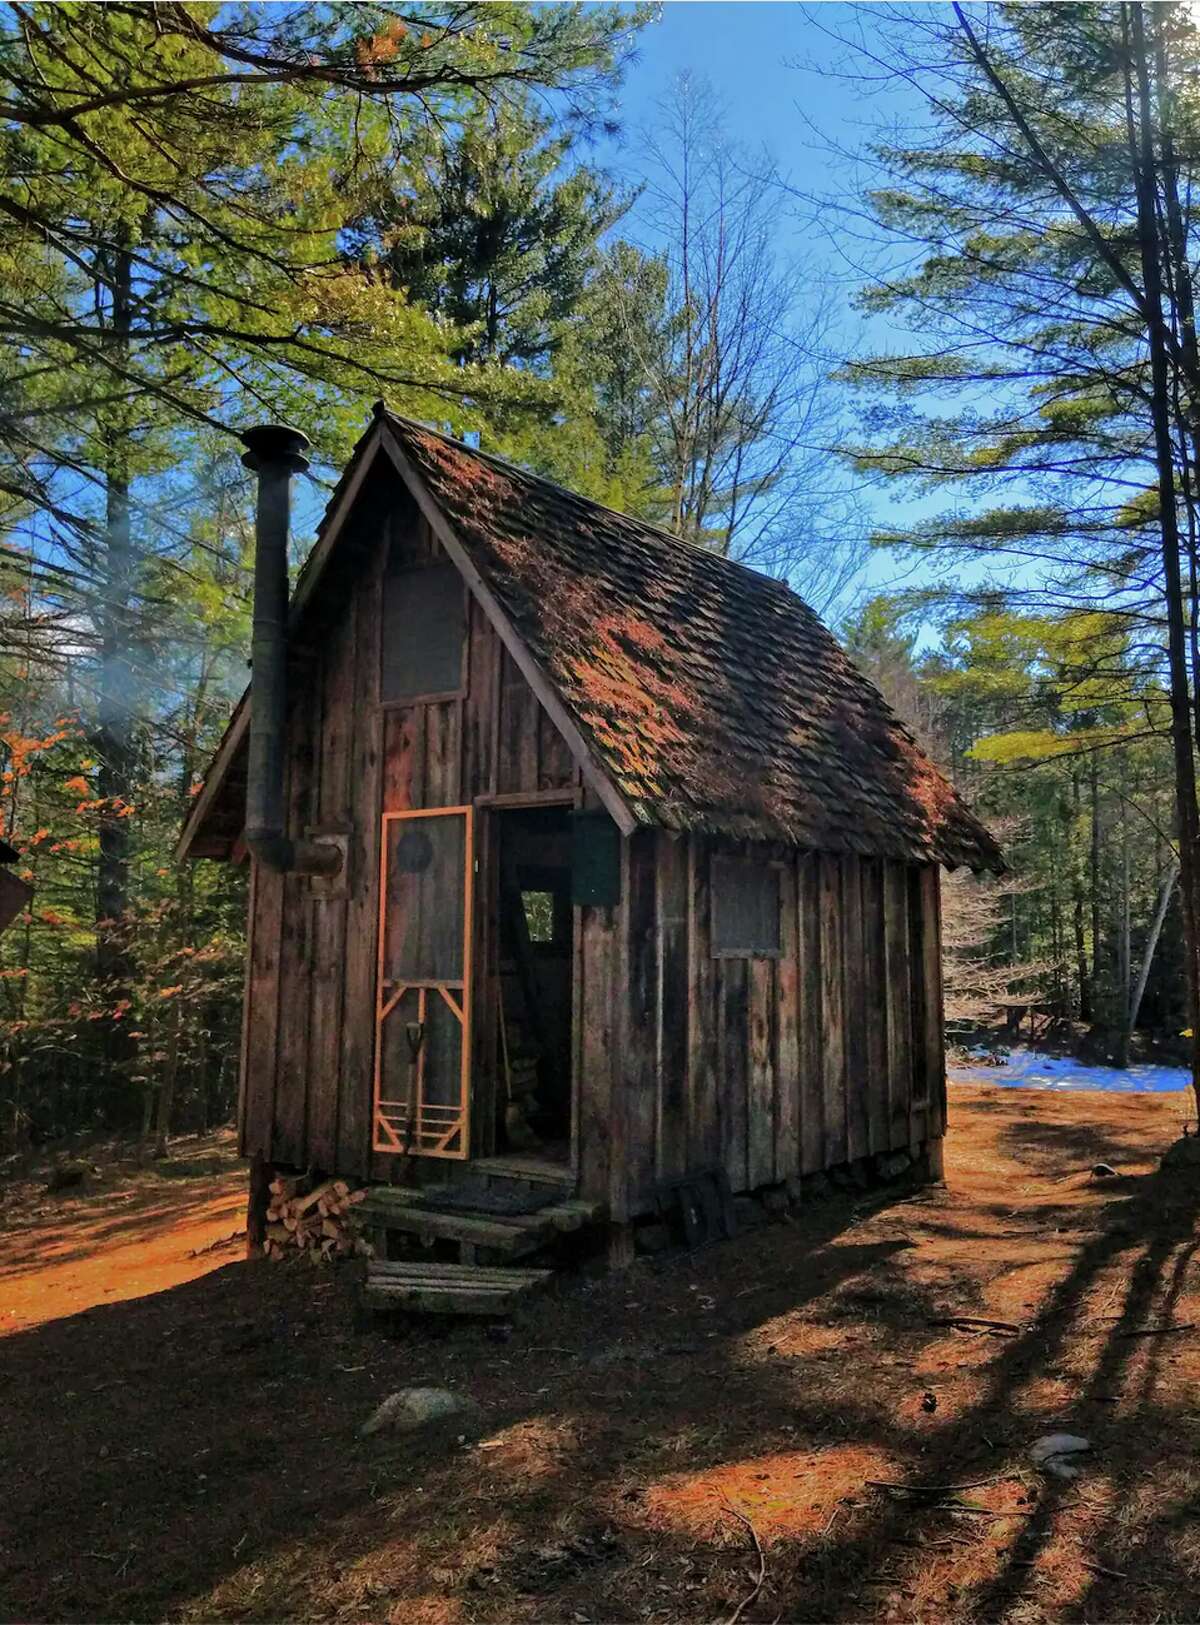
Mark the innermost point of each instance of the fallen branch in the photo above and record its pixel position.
(1159, 1331)
(1098, 1568)
(932, 1489)
(762, 1565)
(215, 1246)
(971, 1323)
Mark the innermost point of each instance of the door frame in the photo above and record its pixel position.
(387, 995)
(570, 798)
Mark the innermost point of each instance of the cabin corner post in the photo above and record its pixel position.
(935, 1023)
(257, 1202)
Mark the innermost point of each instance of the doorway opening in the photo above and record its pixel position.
(534, 984)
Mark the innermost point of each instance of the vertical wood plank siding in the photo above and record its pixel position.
(775, 1067)
(772, 1066)
(311, 960)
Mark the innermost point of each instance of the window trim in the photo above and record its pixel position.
(729, 860)
(433, 697)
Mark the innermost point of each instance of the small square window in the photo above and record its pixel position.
(539, 915)
(745, 907)
(424, 633)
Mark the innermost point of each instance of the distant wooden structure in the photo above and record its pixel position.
(641, 873)
(15, 893)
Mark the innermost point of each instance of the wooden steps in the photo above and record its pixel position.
(484, 1279)
(535, 1170)
(514, 1234)
(449, 1289)
(388, 1207)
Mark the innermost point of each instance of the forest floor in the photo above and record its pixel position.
(781, 1427)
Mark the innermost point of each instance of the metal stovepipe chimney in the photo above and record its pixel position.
(274, 452)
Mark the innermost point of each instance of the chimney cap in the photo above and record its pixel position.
(275, 443)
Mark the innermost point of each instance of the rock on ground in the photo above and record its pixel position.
(1063, 1454)
(411, 1408)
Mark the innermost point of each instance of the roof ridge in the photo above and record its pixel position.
(382, 410)
(668, 536)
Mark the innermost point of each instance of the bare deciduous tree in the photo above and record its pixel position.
(735, 372)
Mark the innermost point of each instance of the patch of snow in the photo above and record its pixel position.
(1030, 1069)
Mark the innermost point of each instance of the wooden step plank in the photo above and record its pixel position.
(536, 1170)
(573, 1215)
(404, 1269)
(449, 1289)
(477, 1230)
(442, 1300)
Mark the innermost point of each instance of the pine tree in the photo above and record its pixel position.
(1052, 296)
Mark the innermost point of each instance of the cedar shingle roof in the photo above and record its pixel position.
(711, 695)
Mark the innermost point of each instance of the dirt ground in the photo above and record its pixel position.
(776, 1428)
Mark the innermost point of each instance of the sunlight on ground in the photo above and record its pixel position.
(785, 1494)
(118, 1244)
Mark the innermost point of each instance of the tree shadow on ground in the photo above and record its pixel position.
(195, 1454)
(135, 1214)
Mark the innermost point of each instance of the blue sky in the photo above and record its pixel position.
(776, 74)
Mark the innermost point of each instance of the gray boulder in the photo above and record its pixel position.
(411, 1408)
(1063, 1454)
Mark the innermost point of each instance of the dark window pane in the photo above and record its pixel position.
(745, 902)
(423, 632)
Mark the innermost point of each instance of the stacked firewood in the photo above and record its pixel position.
(319, 1221)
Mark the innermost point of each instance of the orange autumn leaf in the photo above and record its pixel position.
(168, 992)
(79, 784)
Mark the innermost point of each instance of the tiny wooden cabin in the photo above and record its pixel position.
(641, 874)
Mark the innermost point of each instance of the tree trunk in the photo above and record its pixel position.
(1156, 925)
(1094, 884)
(1081, 964)
(113, 736)
(1149, 246)
(166, 1092)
